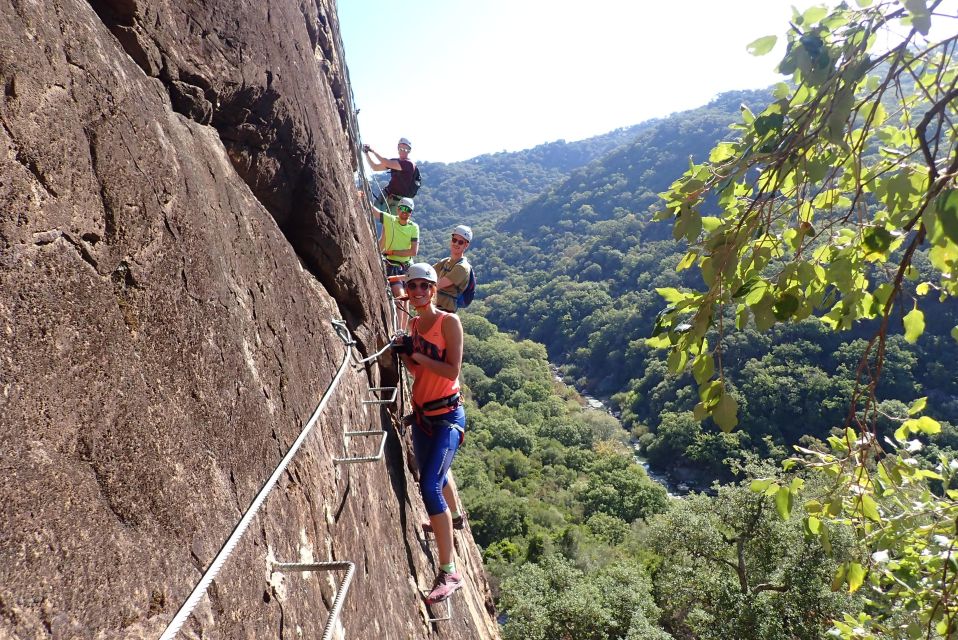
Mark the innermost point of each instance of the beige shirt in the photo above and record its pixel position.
(458, 272)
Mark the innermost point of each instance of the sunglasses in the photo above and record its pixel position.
(404, 209)
(456, 240)
(414, 285)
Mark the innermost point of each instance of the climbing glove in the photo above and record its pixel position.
(403, 345)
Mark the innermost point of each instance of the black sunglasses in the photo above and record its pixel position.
(404, 209)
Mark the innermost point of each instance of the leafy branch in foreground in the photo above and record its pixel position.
(825, 199)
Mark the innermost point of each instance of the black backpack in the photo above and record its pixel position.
(414, 185)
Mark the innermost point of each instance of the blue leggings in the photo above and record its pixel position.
(435, 440)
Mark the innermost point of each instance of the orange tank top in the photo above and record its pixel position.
(429, 386)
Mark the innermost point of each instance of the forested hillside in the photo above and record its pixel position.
(766, 291)
(486, 189)
(578, 268)
(580, 543)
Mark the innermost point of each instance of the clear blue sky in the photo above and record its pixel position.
(461, 78)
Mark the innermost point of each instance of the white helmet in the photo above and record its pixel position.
(405, 141)
(464, 231)
(406, 202)
(421, 271)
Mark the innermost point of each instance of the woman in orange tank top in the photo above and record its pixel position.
(434, 357)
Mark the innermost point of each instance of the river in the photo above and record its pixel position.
(675, 490)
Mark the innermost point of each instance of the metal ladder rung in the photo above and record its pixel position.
(389, 400)
(350, 568)
(378, 456)
(448, 615)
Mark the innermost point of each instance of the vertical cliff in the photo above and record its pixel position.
(178, 227)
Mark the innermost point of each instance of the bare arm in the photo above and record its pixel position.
(381, 164)
(448, 368)
(446, 282)
(410, 252)
(376, 212)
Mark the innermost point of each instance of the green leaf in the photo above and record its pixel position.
(762, 46)
(856, 576)
(914, 325)
(671, 295)
(783, 503)
(699, 412)
(877, 240)
(686, 261)
(814, 525)
(758, 486)
(901, 433)
(947, 205)
(870, 508)
(785, 307)
(918, 406)
(839, 579)
(659, 342)
(920, 17)
(703, 367)
(770, 122)
(677, 360)
(814, 14)
(826, 540)
(954, 333)
(725, 412)
(928, 426)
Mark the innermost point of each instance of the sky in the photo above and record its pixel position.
(461, 78)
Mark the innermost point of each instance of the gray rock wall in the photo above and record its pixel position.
(178, 227)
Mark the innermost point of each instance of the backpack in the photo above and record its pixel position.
(465, 298)
(413, 187)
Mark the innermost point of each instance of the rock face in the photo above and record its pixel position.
(178, 228)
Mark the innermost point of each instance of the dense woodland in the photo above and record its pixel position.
(585, 252)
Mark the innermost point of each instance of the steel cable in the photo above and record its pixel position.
(200, 589)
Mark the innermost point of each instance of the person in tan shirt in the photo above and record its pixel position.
(453, 271)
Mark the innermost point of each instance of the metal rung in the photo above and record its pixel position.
(363, 433)
(448, 615)
(390, 400)
(378, 456)
(340, 593)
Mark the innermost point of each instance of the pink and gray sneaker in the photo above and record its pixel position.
(445, 585)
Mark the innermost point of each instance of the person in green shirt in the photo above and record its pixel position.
(399, 244)
(453, 271)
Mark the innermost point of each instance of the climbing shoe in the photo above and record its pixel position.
(457, 523)
(445, 585)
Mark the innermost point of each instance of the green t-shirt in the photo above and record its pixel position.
(398, 237)
(458, 272)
